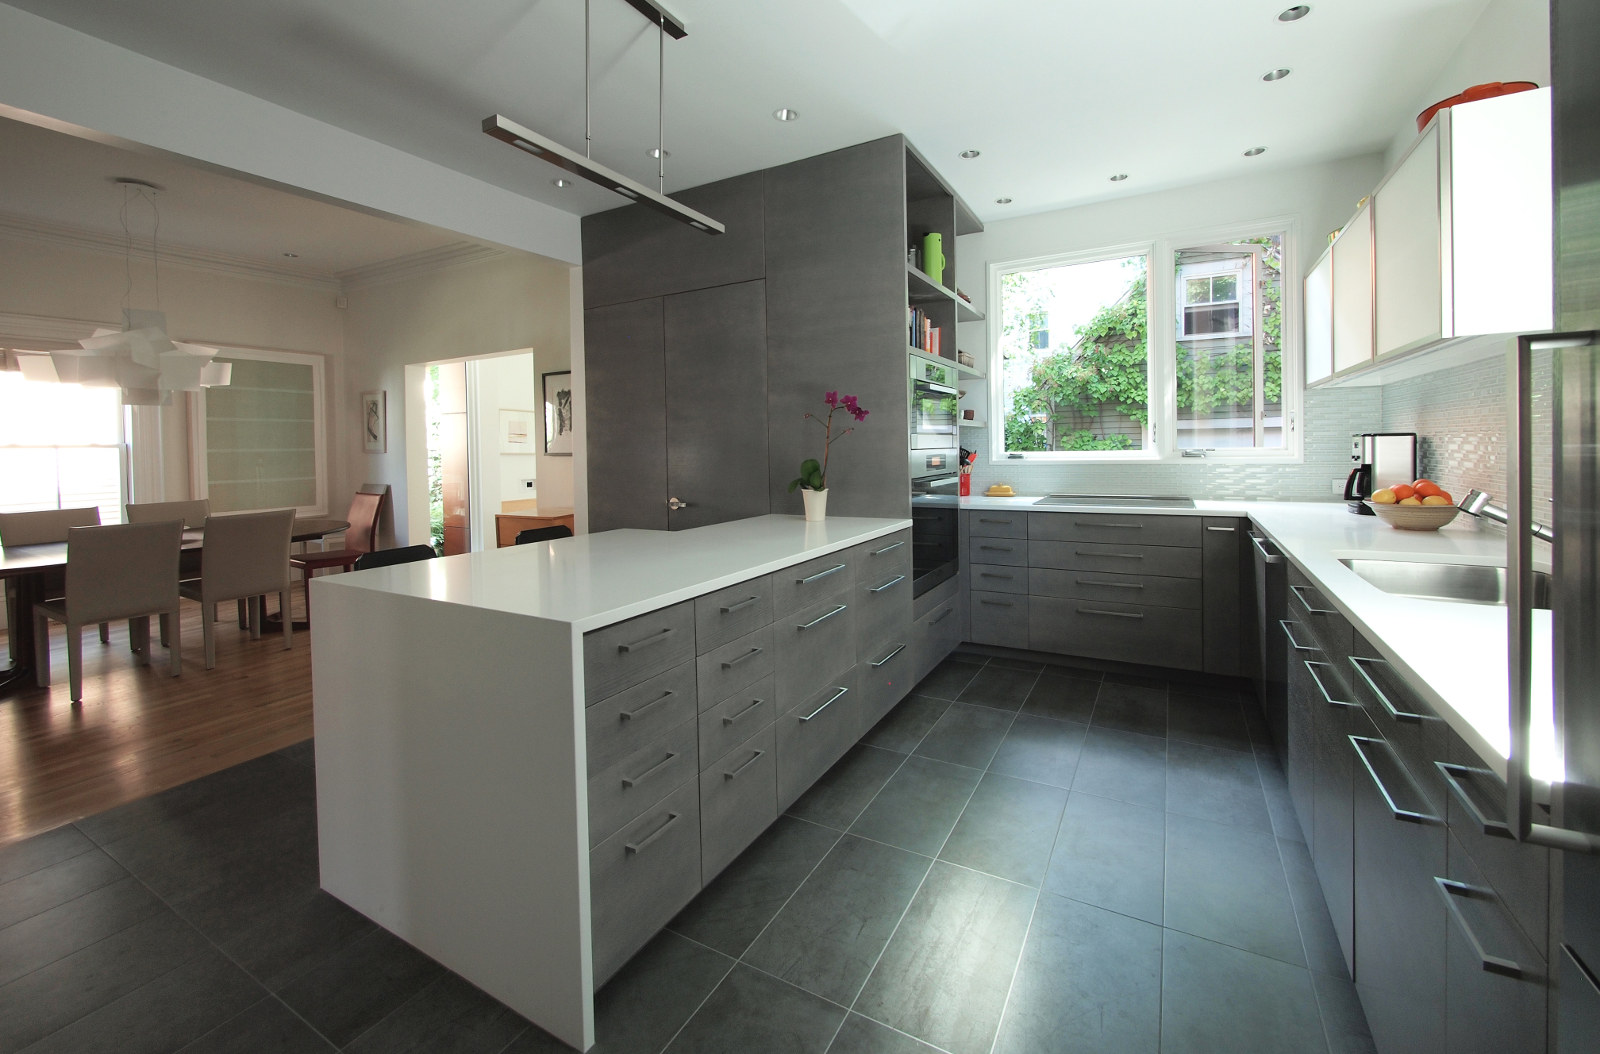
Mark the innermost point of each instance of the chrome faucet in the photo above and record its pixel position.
(1477, 503)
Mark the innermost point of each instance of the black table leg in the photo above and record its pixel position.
(21, 592)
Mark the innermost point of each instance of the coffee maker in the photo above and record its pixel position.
(1382, 460)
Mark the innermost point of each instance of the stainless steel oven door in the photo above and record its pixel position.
(934, 440)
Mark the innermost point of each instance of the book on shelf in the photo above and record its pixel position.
(921, 333)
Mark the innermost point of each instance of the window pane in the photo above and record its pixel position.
(1089, 391)
(1224, 287)
(60, 447)
(1222, 363)
(1199, 291)
(261, 437)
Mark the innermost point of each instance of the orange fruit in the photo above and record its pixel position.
(1437, 499)
(1402, 491)
(1426, 488)
(1445, 494)
(1384, 496)
(1411, 501)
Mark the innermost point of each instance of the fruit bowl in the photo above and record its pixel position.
(1414, 517)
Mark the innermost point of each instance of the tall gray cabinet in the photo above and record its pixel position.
(703, 354)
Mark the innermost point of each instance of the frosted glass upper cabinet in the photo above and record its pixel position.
(1352, 293)
(1462, 227)
(1319, 319)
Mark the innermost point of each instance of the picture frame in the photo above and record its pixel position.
(558, 413)
(375, 422)
(517, 431)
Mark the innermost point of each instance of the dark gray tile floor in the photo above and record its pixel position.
(1020, 858)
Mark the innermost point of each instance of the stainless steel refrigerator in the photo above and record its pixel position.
(1575, 823)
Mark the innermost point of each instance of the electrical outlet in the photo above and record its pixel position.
(1338, 488)
(528, 483)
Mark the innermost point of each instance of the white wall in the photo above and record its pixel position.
(518, 301)
(1316, 198)
(63, 288)
(508, 382)
(1509, 42)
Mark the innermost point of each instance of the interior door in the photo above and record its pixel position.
(716, 400)
(627, 415)
(454, 461)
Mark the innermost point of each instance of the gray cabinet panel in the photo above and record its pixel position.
(625, 411)
(716, 403)
(935, 634)
(736, 719)
(732, 612)
(1142, 633)
(633, 252)
(1332, 845)
(1001, 578)
(742, 661)
(826, 576)
(642, 875)
(815, 734)
(883, 607)
(993, 524)
(738, 799)
(1118, 528)
(623, 723)
(836, 315)
(1000, 619)
(1225, 555)
(1126, 589)
(1012, 552)
(812, 645)
(1300, 757)
(1168, 561)
(639, 780)
(886, 677)
(621, 655)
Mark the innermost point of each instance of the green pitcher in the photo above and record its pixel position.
(933, 257)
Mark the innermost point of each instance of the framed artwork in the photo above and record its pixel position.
(557, 413)
(374, 422)
(517, 431)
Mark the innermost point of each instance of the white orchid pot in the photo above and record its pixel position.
(816, 504)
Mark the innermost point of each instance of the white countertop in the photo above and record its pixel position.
(1453, 654)
(595, 580)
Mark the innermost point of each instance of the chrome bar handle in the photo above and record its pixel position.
(1260, 542)
(755, 704)
(639, 847)
(820, 574)
(885, 660)
(887, 549)
(896, 580)
(831, 700)
(746, 602)
(629, 715)
(733, 775)
(1327, 697)
(1453, 893)
(752, 653)
(1110, 614)
(822, 618)
(630, 782)
(654, 638)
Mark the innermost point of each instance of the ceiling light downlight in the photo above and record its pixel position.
(968, 155)
(570, 161)
(783, 113)
(561, 184)
(1002, 201)
(1119, 177)
(1277, 74)
(1255, 151)
(1295, 13)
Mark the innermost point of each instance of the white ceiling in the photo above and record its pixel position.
(1057, 94)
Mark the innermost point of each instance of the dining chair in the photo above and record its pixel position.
(191, 514)
(543, 534)
(246, 556)
(389, 557)
(44, 526)
(116, 571)
(361, 538)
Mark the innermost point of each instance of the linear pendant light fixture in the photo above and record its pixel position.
(543, 147)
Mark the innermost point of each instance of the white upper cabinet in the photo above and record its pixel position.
(1462, 227)
(1319, 320)
(1352, 293)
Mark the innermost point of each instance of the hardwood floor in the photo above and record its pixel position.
(139, 729)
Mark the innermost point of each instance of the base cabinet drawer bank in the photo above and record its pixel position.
(530, 759)
(1159, 589)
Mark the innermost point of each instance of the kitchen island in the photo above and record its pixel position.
(470, 712)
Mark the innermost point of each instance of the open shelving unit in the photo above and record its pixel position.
(933, 208)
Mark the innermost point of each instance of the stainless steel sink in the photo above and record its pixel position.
(1464, 583)
(1124, 501)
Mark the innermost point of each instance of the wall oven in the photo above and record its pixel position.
(935, 452)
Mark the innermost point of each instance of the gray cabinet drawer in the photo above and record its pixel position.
(999, 578)
(1168, 561)
(935, 635)
(729, 668)
(627, 788)
(1413, 731)
(1124, 589)
(620, 656)
(993, 524)
(736, 719)
(738, 799)
(813, 644)
(1000, 619)
(882, 557)
(633, 719)
(883, 607)
(642, 875)
(795, 587)
(815, 734)
(1012, 552)
(1115, 528)
(1157, 636)
(885, 675)
(728, 613)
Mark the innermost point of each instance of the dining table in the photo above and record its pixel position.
(24, 569)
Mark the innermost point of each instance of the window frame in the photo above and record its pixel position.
(1162, 348)
(199, 477)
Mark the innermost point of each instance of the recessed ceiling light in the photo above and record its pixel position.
(656, 151)
(1277, 74)
(292, 256)
(1255, 151)
(1294, 14)
(1119, 177)
(786, 114)
(1002, 201)
(970, 154)
(562, 183)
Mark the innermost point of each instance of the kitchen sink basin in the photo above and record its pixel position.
(1465, 583)
(1125, 501)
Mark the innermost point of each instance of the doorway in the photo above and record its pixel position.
(449, 459)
